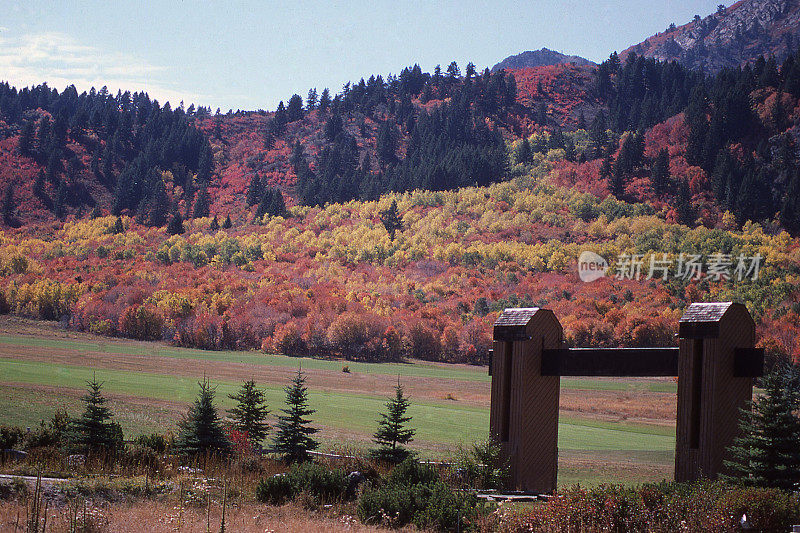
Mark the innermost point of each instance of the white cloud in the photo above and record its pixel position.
(60, 60)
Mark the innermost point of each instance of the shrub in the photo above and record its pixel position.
(141, 459)
(156, 442)
(413, 493)
(317, 481)
(10, 436)
(428, 506)
(274, 490)
(412, 472)
(664, 506)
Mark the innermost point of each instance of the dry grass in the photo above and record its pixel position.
(164, 516)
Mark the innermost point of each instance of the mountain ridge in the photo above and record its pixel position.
(539, 58)
(730, 37)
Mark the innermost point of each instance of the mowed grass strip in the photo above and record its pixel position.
(416, 369)
(442, 423)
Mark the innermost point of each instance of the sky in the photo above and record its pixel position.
(251, 54)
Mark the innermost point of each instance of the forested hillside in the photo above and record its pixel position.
(68, 153)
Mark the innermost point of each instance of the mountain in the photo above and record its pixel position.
(730, 37)
(539, 58)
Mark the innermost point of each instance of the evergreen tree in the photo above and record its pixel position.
(254, 191)
(251, 412)
(311, 99)
(385, 145)
(214, 226)
(59, 206)
(659, 175)
(324, 99)
(201, 204)
(26, 138)
(293, 437)
(8, 206)
(524, 152)
(392, 433)
(175, 226)
(118, 227)
(95, 431)
(767, 452)
(227, 224)
(295, 109)
(200, 431)
(391, 220)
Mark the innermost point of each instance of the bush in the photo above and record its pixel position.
(427, 505)
(10, 436)
(319, 482)
(664, 506)
(141, 459)
(154, 441)
(413, 493)
(275, 490)
(412, 472)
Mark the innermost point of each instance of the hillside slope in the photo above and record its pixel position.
(730, 37)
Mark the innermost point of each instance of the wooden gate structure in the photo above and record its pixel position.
(715, 362)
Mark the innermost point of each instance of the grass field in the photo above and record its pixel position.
(610, 430)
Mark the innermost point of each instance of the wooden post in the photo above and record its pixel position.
(710, 389)
(524, 404)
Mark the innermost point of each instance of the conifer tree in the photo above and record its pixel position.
(227, 224)
(391, 220)
(175, 226)
(524, 151)
(200, 431)
(251, 412)
(767, 453)
(95, 431)
(293, 436)
(118, 227)
(8, 206)
(660, 172)
(214, 226)
(201, 204)
(392, 433)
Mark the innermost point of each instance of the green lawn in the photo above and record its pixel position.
(417, 369)
(445, 422)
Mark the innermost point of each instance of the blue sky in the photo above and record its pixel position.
(250, 55)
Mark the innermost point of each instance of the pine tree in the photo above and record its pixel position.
(201, 204)
(118, 227)
(660, 172)
(767, 453)
(250, 412)
(293, 437)
(254, 191)
(214, 226)
(391, 220)
(8, 206)
(227, 224)
(95, 431)
(392, 433)
(524, 151)
(200, 431)
(175, 226)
